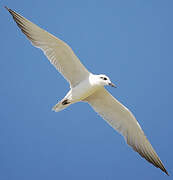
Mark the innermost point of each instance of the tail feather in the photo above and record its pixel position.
(59, 107)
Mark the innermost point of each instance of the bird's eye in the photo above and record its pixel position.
(104, 78)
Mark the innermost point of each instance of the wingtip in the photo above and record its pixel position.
(166, 172)
(6, 8)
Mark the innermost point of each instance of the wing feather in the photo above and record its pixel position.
(121, 119)
(58, 52)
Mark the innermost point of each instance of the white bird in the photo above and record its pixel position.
(88, 87)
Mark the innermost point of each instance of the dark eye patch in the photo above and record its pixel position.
(104, 78)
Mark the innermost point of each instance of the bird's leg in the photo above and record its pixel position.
(65, 102)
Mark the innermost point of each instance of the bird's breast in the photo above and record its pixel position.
(83, 90)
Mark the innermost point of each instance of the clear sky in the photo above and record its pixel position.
(132, 43)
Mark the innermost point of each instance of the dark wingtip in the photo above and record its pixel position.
(166, 172)
(6, 8)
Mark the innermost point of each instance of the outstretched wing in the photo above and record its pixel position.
(121, 119)
(58, 52)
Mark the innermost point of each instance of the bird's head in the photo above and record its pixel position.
(104, 80)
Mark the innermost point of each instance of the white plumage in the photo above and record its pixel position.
(85, 86)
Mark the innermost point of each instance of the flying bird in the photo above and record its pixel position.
(88, 87)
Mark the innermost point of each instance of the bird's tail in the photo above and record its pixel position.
(59, 106)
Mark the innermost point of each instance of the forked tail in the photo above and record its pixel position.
(61, 105)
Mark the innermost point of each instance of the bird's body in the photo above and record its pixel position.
(85, 86)
(81, 91)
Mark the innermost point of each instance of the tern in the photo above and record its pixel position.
(88, 87)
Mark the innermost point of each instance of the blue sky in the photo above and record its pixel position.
(131, 42)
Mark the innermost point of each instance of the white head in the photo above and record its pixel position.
(103, 80)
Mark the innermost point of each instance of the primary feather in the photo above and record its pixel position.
(67, 63)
